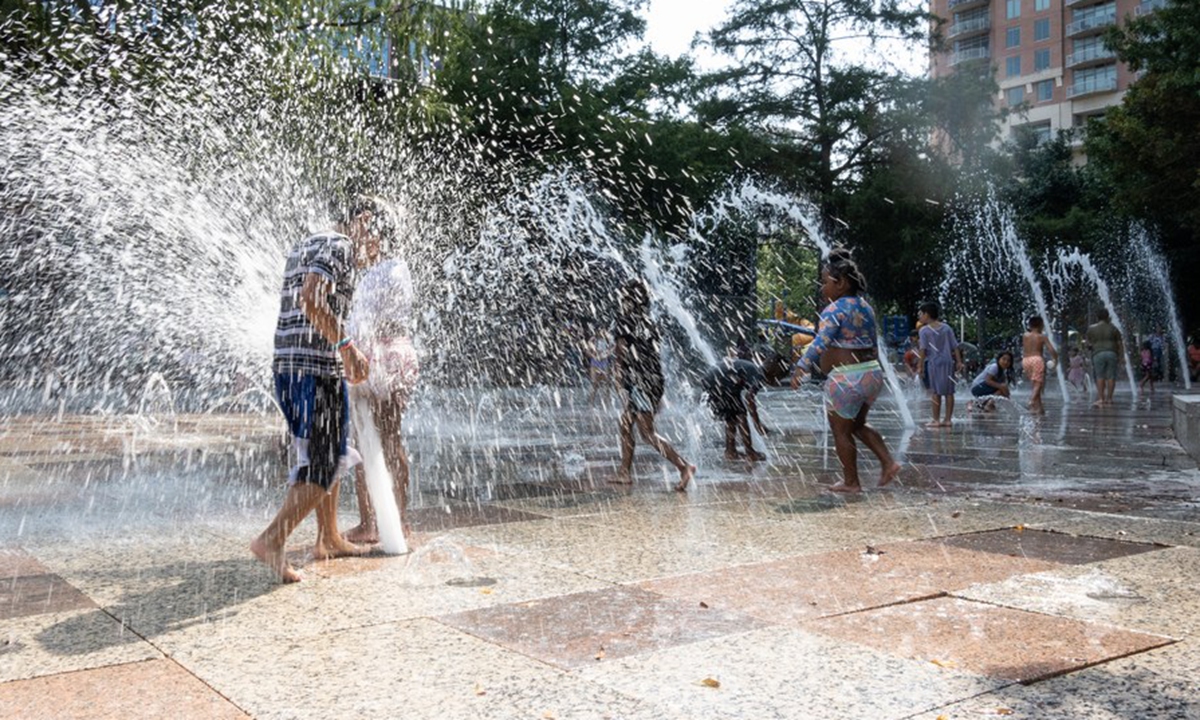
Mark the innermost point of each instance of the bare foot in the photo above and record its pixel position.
(339, 548)
(732, 455)
(933, 424)
(362, 534)
(889, 474)
(622, 478)
(1098, 403)
(276, 560)
(844, 488)
(685, 476)
(755, 456)
(947, 423)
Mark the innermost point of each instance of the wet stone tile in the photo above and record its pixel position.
(801, 588)
(577, 630)
(154, 688)
(448, 517)
(38, 594)
(1051, 546)
(15, 562)
(989, 640)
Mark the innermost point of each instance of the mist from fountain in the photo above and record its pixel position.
(1145, 251)
(1073, 257)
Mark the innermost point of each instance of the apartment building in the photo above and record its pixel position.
(1048, 55)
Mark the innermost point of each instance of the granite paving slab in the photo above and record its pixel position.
(417, 669)
(784, 673)
(578, 630)
(1159, 684)
(802, 588)
(59, 642)
(153, 688)
(1132, 529)
(15, 562)
(986, 639)
(1156, 592)
(1051, 546)
(38, 594)
(456, 515)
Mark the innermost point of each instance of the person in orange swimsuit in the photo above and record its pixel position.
(1034, 344)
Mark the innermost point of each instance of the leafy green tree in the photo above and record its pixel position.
(795, 83)
(1148, 148)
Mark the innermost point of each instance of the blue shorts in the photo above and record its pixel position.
(317, 410)
(983, 390)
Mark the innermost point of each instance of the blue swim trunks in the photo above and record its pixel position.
(317, 410)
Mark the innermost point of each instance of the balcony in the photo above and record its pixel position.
(1092, 23)
(1149, 6)
(969, 55)
(1083, 3)
(973, 26)
(1095, 55)
(966, 4)
(1092, 86)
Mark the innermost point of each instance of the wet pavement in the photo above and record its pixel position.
(1022, 566)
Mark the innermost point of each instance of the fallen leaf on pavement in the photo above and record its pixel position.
(1004, 711)
(703, 604)
(944, 663)
(711, 682)
(479, 689)
(600, 655)
(485, 591)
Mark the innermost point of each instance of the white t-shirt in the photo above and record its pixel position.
(383, 302)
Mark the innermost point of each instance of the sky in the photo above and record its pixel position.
(671, 24)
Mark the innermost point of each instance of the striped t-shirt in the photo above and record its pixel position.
(299, 348)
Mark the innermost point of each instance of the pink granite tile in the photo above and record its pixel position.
(986, 639)
(15, 562)
(36, 594)
(581, 629)
(151, 689)
(796, 589)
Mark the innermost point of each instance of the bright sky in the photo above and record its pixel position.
(671, 24)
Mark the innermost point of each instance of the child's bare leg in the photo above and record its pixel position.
(744, 428)
(847, 452)
(270, 546)
(888, 467)
(935, 406)
(365, 531)
(731, 452)
(330, 543)
(624, 473)
(398, 464)
(645, 423)
(949, 409)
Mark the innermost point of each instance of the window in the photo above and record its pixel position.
(1012, 66)
(1040, 5)
(1015, 95)
(1013, 9)
(1041, 29)
(1044, 90)
(1041, 60)
(1012, 37)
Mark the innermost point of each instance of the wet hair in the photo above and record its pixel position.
(1102, 315)
(932, 309)
(841, 266)
(1001, 354)
(1036, 323)
(383, 220)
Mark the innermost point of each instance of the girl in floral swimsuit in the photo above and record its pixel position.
(845, 350)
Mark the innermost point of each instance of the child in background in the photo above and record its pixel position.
(1147, 366)
(724, 386)
(940, 357)
(1033, 344)
(1076, 374)
(912, 357)
(992, 381)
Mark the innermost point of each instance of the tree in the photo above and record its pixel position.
(791, 84)
(1148, 148)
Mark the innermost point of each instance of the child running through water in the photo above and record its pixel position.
(1077, 374)
(1033, 344)
(639, 372)
(845, 350)
(941, 358)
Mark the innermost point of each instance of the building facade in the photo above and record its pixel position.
(1048, 56)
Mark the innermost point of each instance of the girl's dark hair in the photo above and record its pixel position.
(1007, 373)
(1002, 353)
(932, 309)
(841, 266)
(1036, 323)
